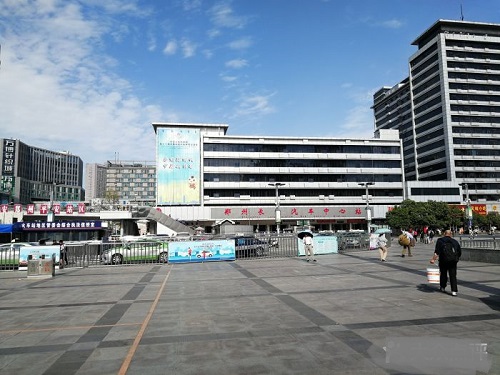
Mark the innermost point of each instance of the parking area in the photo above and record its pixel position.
(346, 314)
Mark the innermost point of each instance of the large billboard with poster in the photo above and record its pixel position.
(201, 251)
(178, 166)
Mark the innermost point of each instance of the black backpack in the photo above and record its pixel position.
(449, 253)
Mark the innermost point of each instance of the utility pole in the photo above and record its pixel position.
(277, 211)
(368, 210)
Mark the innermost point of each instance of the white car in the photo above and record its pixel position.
(136, 251)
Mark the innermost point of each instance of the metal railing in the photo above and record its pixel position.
(259, 246)
(479, 243)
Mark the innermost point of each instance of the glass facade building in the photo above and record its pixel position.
(32, 174)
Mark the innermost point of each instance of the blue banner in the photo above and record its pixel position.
(201, 251)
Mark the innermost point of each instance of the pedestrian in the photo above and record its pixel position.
(448, 251)
(406, 240)
(382, 246)
(63, 254)
(309, 247)
(431, 236)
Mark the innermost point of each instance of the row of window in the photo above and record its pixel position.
(475, 130)
(474, 76)
(435, 191)
(478, 163)
(476, 152)
(301, 193)
(288, 178)
(472, 55)
(475, 97)
(472, 65)
(306, 149)
(475, 87)
(301, 163)
(472, 44)
(476, 141)
(475, 119)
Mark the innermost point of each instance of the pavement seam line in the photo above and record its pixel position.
(128, 359)
(18, 331)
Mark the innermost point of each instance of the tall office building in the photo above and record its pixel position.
(31, 174)
(121, 182)
(95, 181)
(448, 110)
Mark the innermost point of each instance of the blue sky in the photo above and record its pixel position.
(90, 76)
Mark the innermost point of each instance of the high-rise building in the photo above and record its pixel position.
(31, 174)
(448, 110)
(95, 181)
(121, 182)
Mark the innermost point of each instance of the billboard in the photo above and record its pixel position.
(201, 251)
(178, 166)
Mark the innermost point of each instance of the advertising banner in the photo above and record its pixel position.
(178, 166)
(201, 251)
(38, 252)
(322, 245)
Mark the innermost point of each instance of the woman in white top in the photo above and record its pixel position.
(382, 246)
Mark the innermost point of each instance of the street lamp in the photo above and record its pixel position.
(368, 212)
(277, 212)
(468, 203)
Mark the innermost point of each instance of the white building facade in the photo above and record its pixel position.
(205, 176)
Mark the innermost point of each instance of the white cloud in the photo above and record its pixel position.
(189, 5)
(58, 90)
(188, 48)
(241, 43)
(255, 105)
(226, 78)
(236, 63)
(170, 48)
(392, 24)
(222, 15)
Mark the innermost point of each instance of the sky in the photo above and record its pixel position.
(91, 76)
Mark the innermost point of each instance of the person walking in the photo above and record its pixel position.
(448, 251)
(309, 247)
(63, 254)
(382, 246)
(406, 243)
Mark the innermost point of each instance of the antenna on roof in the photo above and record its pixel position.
(461, 12)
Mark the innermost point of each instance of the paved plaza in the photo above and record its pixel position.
(345, 314)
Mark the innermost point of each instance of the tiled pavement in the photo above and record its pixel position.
(279, 316)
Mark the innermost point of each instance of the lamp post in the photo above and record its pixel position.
(368, 212)
(277, 212)
(468, 213)
(50, 212)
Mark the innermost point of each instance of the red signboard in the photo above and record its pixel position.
(479, 209)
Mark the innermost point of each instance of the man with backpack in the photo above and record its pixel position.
(448, 251)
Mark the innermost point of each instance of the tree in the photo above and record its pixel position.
(411, 214)
(111, 196)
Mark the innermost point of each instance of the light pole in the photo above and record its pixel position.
(50, 212)
(277, 212)
(468, 213)
(368, 212)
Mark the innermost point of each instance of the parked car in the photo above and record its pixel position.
(136, 251)
(247, 246)
(9, 253)
(351, 240)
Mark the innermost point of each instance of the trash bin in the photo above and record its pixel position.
(41, 268)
